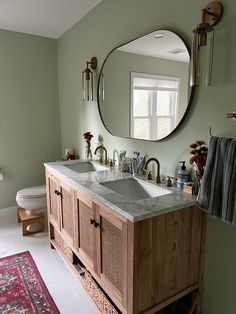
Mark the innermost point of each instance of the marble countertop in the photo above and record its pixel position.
(132, 210)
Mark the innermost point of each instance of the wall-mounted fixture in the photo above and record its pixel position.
(231, 115)
(88, 78)
(211, 15)
(1, 174)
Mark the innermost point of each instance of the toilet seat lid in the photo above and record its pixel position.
(32, 192)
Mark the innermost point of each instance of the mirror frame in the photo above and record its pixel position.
(191, 94)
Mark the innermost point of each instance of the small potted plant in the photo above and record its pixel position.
(88, 136)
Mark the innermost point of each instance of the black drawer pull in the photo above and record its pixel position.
(92, 221)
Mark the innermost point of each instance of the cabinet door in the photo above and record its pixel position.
(67, 213)
(84, 240)
(113, 255)
(53, 200)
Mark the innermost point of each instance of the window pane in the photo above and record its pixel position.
(163, 127)
(141, 128)
(163, 103)
(140, 106)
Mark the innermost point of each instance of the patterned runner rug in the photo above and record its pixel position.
(22, 289)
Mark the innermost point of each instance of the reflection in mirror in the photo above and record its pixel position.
(143, 87)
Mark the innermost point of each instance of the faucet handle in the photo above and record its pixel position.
(149, 174)
(111, 162)
(168, 182)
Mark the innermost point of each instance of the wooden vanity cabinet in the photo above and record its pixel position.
(60, 207)
(142, 266)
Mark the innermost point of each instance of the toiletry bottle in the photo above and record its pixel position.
(182, 176)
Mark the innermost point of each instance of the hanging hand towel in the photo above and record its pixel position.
(218, 189)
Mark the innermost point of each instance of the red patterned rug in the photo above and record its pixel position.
(22, 290)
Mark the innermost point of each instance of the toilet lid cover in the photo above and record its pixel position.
(32, 192)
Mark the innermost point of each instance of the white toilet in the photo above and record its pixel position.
(33, 199)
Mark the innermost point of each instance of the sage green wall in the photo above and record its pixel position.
(114, 22)
(117, 70)
(29, 113)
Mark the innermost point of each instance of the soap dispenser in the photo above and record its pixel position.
(182, 176)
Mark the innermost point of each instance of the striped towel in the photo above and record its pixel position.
(217, 194)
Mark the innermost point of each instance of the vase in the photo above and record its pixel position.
(198, 172)
(88, 152)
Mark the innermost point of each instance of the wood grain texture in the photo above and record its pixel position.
(131, 306)
(167, 256)
(142, 266)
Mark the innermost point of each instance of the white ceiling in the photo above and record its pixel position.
(167, 46)
(49, 18)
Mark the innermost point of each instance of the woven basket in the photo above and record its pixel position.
(63, 246)
(97, 295)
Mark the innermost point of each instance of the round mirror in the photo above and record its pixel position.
(143, 87)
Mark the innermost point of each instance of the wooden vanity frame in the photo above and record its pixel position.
(142, 266)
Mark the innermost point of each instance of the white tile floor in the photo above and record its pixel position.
(66, 290)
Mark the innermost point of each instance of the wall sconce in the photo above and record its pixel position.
(231, 115)
(211, 15)
(87, 79)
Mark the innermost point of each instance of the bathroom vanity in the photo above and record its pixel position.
(144, 251)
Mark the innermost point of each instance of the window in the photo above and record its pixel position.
(154, 104)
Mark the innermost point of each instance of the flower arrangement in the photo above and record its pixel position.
(199, 152)
(88, 136)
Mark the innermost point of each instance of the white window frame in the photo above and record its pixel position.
(152, 108)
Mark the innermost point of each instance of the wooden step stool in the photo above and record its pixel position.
(27, 220)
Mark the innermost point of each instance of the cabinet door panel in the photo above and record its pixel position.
(53, 203)
(113, 250)
(67, 213)
(111, 263)
(86, 233)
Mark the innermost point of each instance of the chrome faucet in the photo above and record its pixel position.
(158, 180)
(101, 158)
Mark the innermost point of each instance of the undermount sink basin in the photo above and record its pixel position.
(135, 189)
(86, 166)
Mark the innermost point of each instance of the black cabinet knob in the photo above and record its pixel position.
(96, 224)
(93, 222)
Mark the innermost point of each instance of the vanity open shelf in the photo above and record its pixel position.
(143, 264)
